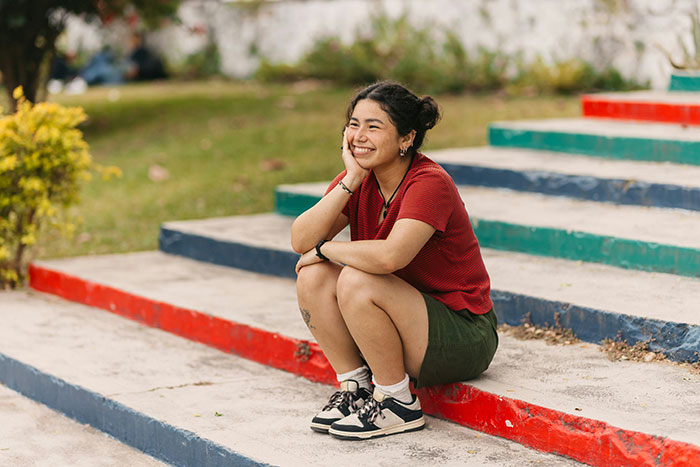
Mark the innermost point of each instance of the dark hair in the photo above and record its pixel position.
(406, 110)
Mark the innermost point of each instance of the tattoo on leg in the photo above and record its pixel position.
(307, 318)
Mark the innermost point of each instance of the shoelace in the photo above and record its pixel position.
(340, 398)
(370, 410)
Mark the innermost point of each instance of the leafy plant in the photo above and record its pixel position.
(43, 159)
(203, 64)
(569, 77)
(395, 49)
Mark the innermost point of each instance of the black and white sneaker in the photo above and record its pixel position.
(341, 404)
(380, 416)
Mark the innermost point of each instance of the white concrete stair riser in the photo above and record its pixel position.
(228, 409)
(577, 380)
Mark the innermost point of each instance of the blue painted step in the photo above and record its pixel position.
(578, 177)
(183, 402)
(598, 302)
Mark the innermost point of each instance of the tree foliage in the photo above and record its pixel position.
(29, 29)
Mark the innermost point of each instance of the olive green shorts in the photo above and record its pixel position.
(461, 344)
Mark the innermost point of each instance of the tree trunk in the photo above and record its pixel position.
(15, 72)
(21, 60)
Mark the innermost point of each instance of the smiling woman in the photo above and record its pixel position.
(374, 142)
(408, 297)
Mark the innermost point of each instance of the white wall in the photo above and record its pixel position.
(627, 34)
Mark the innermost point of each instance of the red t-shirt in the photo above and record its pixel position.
(449, 267)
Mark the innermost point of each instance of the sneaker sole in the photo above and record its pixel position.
(414, 425)
(320, 428)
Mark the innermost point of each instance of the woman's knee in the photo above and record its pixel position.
(354, 285)
(315, 279)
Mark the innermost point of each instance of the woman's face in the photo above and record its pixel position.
(374, 140)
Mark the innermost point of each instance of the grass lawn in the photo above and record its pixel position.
(225, 146)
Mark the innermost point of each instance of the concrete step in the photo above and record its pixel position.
(192, 405)
(633, 305)
(609, 139)
(644, 238)
(660, 184)
(684, 81)
(31, 434)
(571, 400)
(681, 108)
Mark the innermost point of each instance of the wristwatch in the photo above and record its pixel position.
(318, 250)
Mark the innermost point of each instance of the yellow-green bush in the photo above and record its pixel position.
(43, 159)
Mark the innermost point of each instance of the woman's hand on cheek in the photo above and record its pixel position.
(355, 173)
(307, 259)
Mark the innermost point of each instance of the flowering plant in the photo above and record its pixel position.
(43, 159)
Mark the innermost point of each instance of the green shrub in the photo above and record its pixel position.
(488, 71)
(569, 77)
(203, 64)
(43, 159)
(610, 79)
(330, 60)
(396, 50)
(563, 77)
(278, 72)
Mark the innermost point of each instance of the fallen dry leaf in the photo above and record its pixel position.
(269, 165)
(158, 173)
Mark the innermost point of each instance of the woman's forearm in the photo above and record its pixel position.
(373, 256)
(406, 239)
(317, 222)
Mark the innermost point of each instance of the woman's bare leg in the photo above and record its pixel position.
(388, 321)
(318, 303)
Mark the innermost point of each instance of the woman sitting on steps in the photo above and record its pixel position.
(408, 296)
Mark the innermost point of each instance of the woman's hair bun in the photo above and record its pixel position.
(429, 113)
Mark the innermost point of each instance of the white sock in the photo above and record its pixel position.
(398, 391)
(361, 375)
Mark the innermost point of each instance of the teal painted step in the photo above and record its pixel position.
(536, 288)
(290, 203)
(602, 138)
(560, 242)
(685, 81)
(583, 246)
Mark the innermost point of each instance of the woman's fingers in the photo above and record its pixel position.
(346, 145)
(306, 259)
(351, 165)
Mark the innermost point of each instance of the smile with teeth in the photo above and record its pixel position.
(361, 151)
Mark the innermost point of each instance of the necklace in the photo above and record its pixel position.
(385, 203)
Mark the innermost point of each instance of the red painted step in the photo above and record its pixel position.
(662, 107)
(582, 438)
